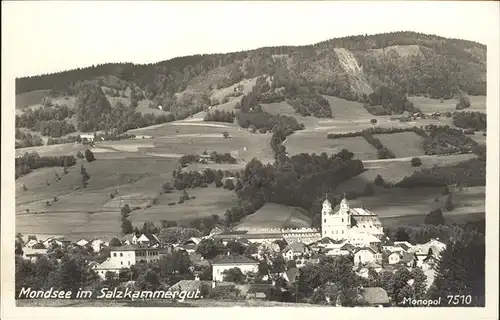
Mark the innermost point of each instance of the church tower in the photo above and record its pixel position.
(335, 225)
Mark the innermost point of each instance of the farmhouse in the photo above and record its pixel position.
(87, 137)
(232, 261)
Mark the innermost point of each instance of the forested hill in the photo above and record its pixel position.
(349, 67)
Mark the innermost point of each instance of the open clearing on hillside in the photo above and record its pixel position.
(428, 105)
(345, 109)
(394, 170)
(27, 99)
(403, 144)
(317, 142)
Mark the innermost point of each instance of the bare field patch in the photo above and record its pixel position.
(247, 84)
(395, 202)
(317, 142)
(173, 128)
(428, 105)
(345, 109)
(403, 144)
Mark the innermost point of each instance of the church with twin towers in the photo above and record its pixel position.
(351, 224)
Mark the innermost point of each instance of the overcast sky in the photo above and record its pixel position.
(46, 37)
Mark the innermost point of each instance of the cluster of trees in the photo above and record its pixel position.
(33, 118)
(445, 140)
(264, 121)
(214, 156)
(220, 116)
(94, 112)
(470, 120)
(392, 102)
(32, 161)
(67, 139)
(466, 174)
(193, 179)
(463, 102)
(295, 181)
(26, 139)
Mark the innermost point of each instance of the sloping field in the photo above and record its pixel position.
(273, 215)
(345, 109)
(394, 170)
(247, 84)
(403, 144)
(428, 105)
(394, 202)
(93, 212)
(317, 142)
(27, 99)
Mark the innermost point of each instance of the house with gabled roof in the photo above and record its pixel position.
(31, 243)
(230, 261)
(366, 255)
(82, 243)
(294, 250)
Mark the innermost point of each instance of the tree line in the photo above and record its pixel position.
(220, 116)
(470, 120)
(468, 173)
(32, 161)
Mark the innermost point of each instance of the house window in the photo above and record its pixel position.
(325, 220)
(114, 254)
(129, 263)
(121, 262)
(342, 219)
(121, 254)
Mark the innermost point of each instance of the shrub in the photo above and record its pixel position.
(379, 181)
(89, 155)
(416, 162)
(79, 155)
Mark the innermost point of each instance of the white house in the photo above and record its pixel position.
(97, 245)
(294, 250)
(126, 256)
(233, 261)
(31, 243)
(87, 137)
(366, 255)
(33, 254)
(394, 257)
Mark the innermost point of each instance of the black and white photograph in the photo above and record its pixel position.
(323, 155)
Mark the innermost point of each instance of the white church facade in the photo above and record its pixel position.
(356, 225)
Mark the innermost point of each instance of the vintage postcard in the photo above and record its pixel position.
(329, 159)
